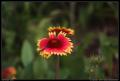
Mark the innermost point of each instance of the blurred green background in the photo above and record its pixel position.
(96, 29)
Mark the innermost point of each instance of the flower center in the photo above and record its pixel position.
(54, 43)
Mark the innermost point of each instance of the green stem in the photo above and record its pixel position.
(57, 75)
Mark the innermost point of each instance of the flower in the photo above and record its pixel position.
(63, 29)
(55, 45)
(9, 72)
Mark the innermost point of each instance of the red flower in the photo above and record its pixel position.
(55, 45)
(9, 73)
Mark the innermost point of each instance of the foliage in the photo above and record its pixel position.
(23, 23)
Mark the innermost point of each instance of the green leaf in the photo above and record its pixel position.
(50, 75)
(79, 71)
(25, 73)
(40, 68)
(82, 17)
(88, 38)
(28, 71)
(26, 6)
(64, 73)
(90, 8)
(42, 28)
(27, 53)
(85, 14)
(9, 39)
(100, 73)
(108, 48)
(104, 40)
(65, 23)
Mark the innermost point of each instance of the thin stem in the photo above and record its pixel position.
(57, 75)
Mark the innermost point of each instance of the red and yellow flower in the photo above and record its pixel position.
(55, 44)
(63, 29)
(9, 73)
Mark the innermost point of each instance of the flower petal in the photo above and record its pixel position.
(63, 29)
(52, 35)
(43, 43)
(45, 54)
(65, 41)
